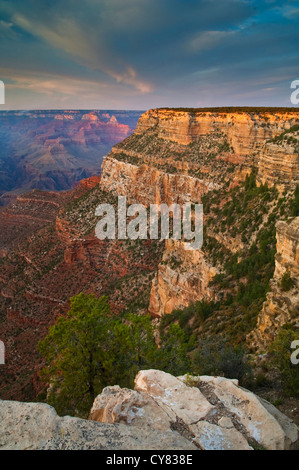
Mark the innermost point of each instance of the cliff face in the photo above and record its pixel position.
(245, 131)
(281, 306)
(148, 185)
(179, 156)
(279, 165)
(182, 278)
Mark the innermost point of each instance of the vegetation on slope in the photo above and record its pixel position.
(90, 349)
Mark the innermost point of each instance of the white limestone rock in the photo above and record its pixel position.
(35, 426)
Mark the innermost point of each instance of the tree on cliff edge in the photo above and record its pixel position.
(90, 349)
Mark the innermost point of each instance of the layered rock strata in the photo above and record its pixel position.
(281, 306)
(183, 277)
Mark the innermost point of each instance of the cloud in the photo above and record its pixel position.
(291, 13)
(146, 53)
(6, 30)
(206, 40)
(65, 34)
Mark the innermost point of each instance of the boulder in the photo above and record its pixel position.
(212, 437)
(261, 420)
(175, 397)
(162, 413)
(36, 426)
(213, 413)
(121, 405)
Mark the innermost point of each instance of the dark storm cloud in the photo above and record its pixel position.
(146, 53)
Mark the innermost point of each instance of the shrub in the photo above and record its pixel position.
(223, 359)
(90, 349)
(286, 282)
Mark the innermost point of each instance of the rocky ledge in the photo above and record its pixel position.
(162, 413)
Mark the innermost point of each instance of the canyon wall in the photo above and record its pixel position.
(49, 251)
(178, 156)
(148, 185)
(245, 131)
(279, 165)
(281, 306)
(183, 277)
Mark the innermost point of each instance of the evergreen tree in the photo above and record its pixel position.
(90, 349)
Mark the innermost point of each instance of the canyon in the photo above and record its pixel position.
(49, 251)
(178, 156)
(52, 150)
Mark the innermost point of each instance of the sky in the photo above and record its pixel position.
(141, 54)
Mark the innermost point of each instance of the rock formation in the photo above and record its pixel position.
(178, 156)
(245, 131)
(183, 277)
(53, 150)
(36, 426)
(213, 413)
(148, 185)
(279, 165)
(281, 306)
(162, 413)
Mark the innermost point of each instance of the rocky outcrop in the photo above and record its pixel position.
(245, 131)
(279, 165)
(183, 277)
(178, 156)
(281, 306)
(162, 413)
(148, 185)
(35, 426)
(213, 413)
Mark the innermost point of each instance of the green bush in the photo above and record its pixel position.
(286, 282)
(223, 359)
(90, 349)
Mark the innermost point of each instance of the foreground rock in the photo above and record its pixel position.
(162, 413)
(35, 426)
(213, 413)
